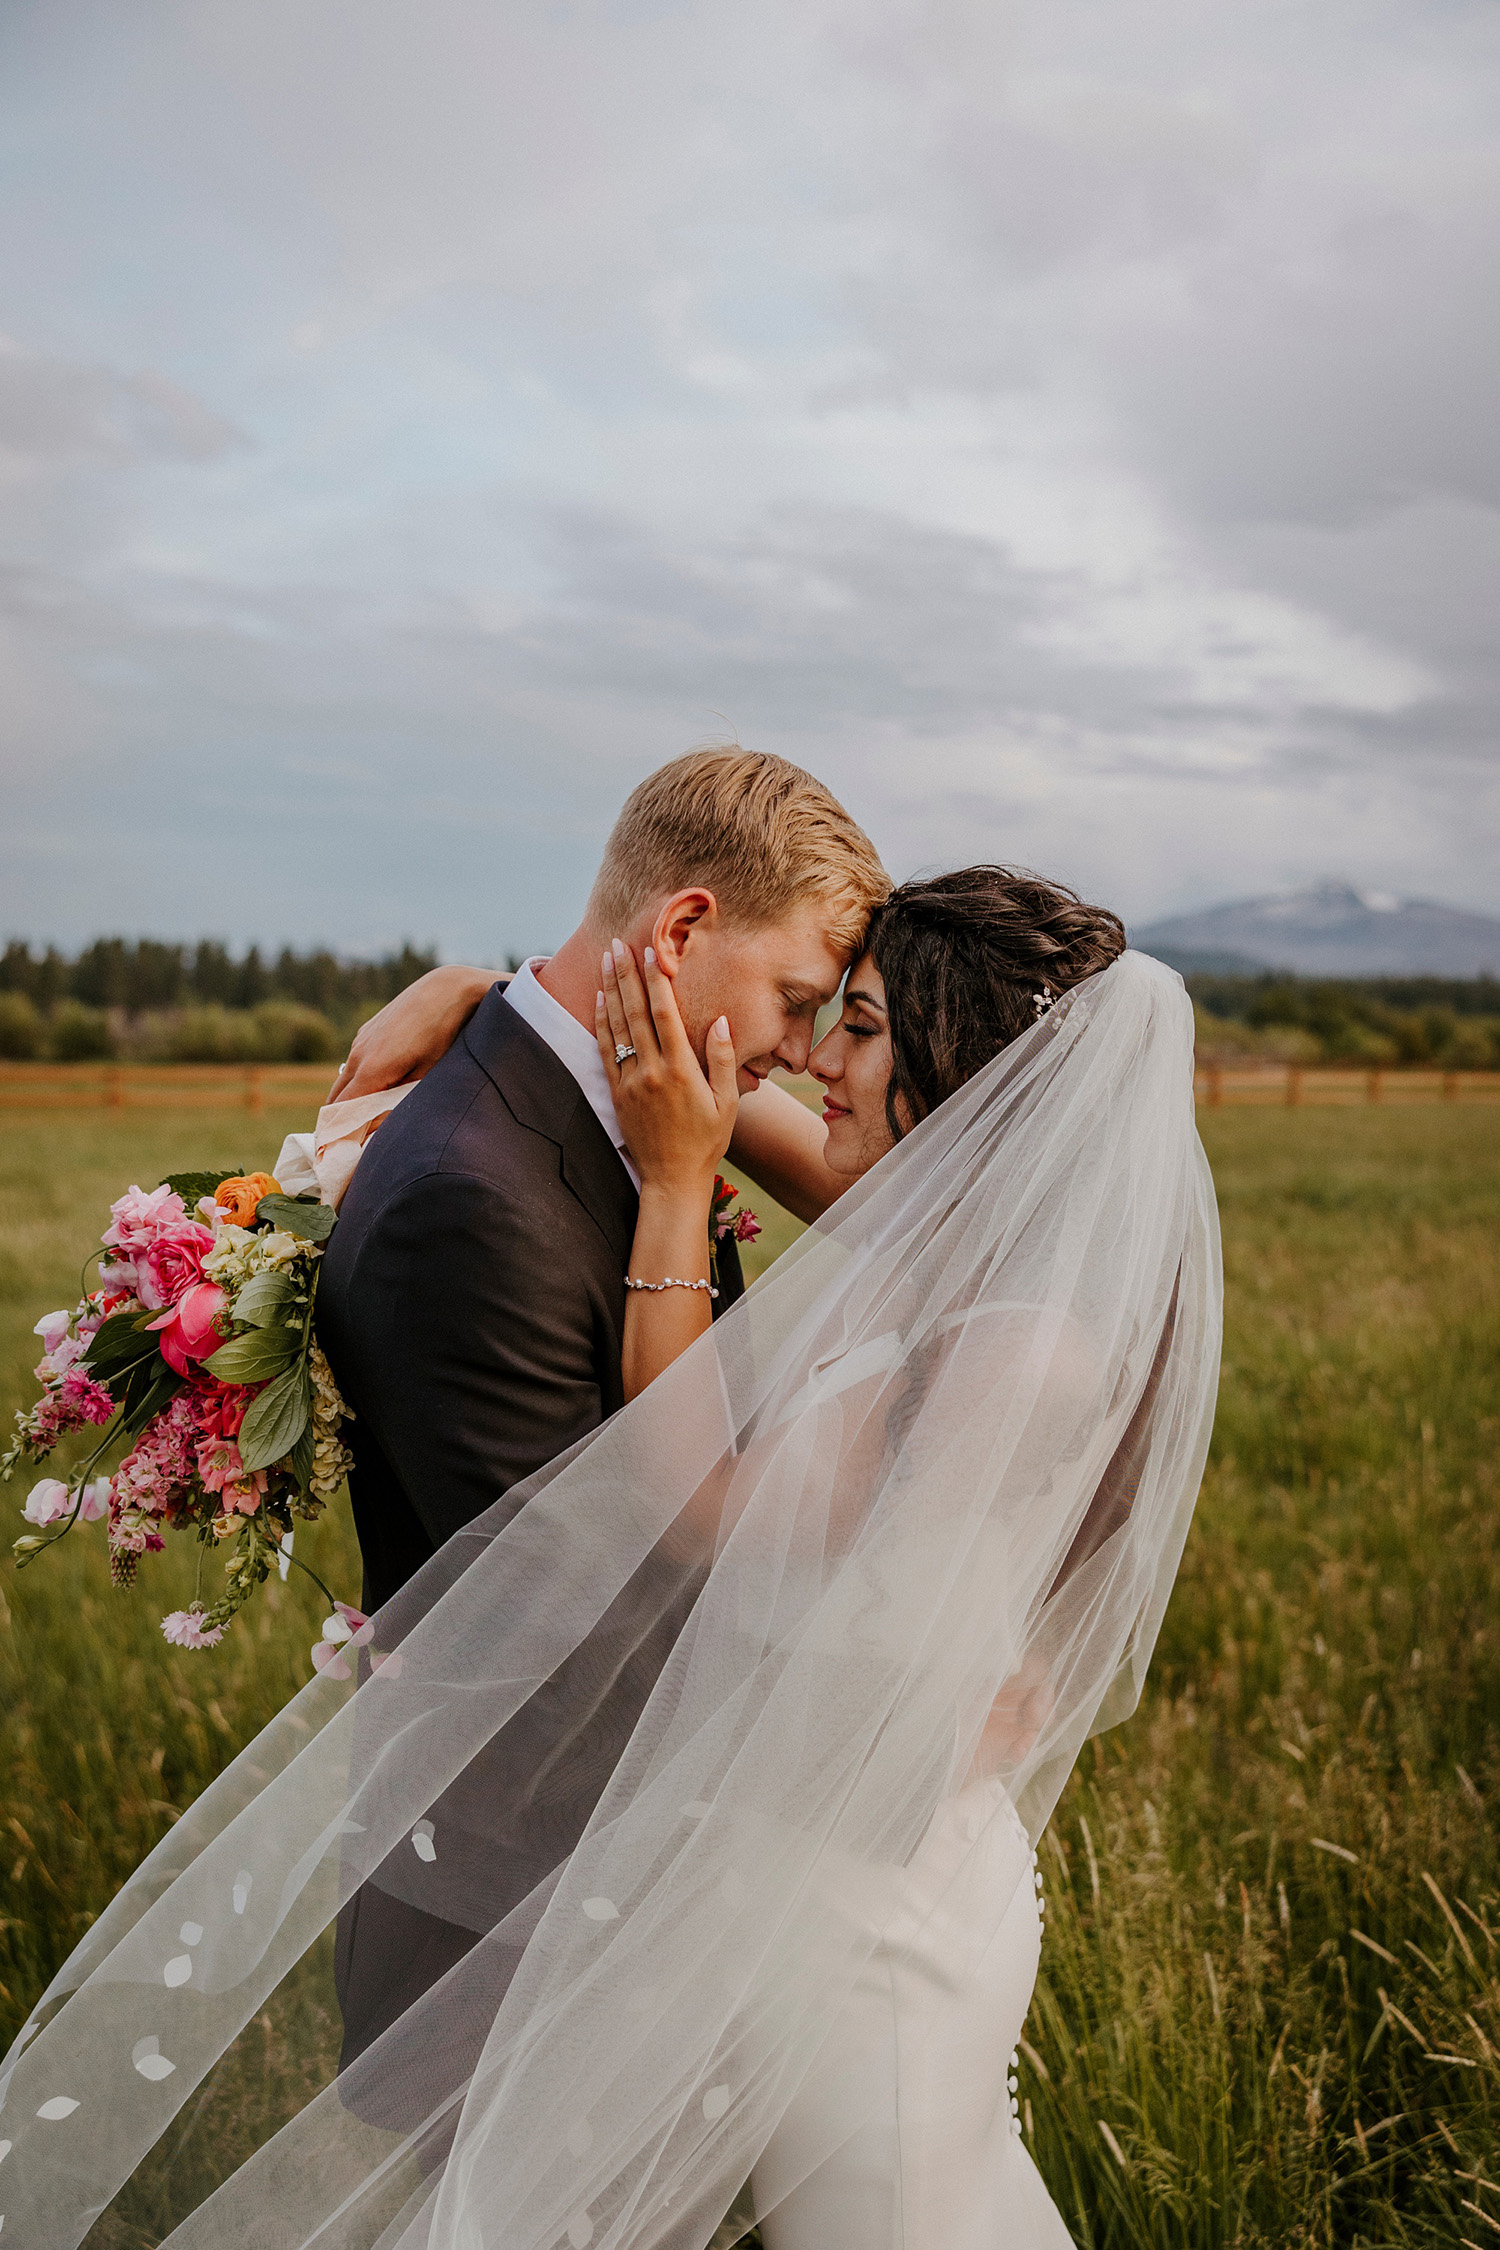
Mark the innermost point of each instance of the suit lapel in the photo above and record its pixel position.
(542, 1094)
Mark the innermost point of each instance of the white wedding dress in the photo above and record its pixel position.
(912, 2091)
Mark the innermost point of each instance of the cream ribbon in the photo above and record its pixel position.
(324, 1159)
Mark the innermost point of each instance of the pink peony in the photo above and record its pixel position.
(47, 1501)
(139, 1218)
(172, 1265)
(185, 1628)
(189, 1330)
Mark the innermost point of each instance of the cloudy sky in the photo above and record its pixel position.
(1070, 429)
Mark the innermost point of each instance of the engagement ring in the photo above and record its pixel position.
(623, 1054)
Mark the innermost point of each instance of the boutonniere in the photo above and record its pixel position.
(742, 1224)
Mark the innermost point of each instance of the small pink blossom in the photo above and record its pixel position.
(47, 1501)
(76, 1401)
(746, 1226)
(52, 1328)
(96, 1499)
(60, 1358)
(346, 1626)
(185, 1628)
(172, 1265)
(219, 1463)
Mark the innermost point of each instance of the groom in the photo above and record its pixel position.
(472, 1299)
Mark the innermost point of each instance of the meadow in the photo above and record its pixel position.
(1268, 2012)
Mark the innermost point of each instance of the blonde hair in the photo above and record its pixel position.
(761, 834)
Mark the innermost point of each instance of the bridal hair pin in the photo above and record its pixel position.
(1042, 999)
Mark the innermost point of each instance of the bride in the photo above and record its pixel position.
(871, 1557)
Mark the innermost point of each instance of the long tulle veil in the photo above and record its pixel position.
(908, 1515)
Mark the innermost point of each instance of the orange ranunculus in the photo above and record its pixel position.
(237, 1198)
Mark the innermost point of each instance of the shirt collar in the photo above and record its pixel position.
(576, 1049)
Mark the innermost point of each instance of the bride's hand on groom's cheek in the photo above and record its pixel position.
(677, 1118)
(411, 1033)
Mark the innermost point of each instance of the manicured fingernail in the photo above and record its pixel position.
(651, 956)
(607, 965)
(721, 1028)
(598, 999)
(617, 949)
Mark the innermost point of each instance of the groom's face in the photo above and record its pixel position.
(770, 979)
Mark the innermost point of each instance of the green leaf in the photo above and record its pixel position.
(149, 1400)
(276, 1420)
(300, 1460)
(266, 1297)
(255, 1357)
(192, 1186)
(300, 1215)
(117, 1347)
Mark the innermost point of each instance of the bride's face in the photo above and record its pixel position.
(853, 1065)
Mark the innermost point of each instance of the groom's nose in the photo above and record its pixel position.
(795, 1048)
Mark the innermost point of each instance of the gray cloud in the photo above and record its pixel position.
(54, 411)
(1070, 431)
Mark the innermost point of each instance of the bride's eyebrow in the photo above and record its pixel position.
(863, 999)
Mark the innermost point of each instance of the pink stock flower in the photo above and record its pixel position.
(140, 1217)
(185, 1628)
(47, 1501)
(189, 1330)
(172, 1265)
(160, 1470)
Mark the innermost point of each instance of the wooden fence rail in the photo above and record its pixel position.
(260, 1086)
(1297, 1086)
(249, 1086)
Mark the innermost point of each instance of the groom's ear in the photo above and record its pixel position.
(680, 916)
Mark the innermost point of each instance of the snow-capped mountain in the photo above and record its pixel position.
(1331, 930)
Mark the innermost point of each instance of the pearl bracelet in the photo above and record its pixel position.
(671, 1283)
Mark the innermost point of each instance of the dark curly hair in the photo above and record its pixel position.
(963, 957)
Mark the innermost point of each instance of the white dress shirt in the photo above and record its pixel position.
(576, 1049)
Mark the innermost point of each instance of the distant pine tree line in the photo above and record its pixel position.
(1452, 1023)
(144, 1000)
(150, 1001)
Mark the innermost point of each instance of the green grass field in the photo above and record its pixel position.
(1268, 2005)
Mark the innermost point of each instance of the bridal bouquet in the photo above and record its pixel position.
(196, 1349)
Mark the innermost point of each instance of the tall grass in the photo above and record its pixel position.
(1268, 2005)
(1268, 2008)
